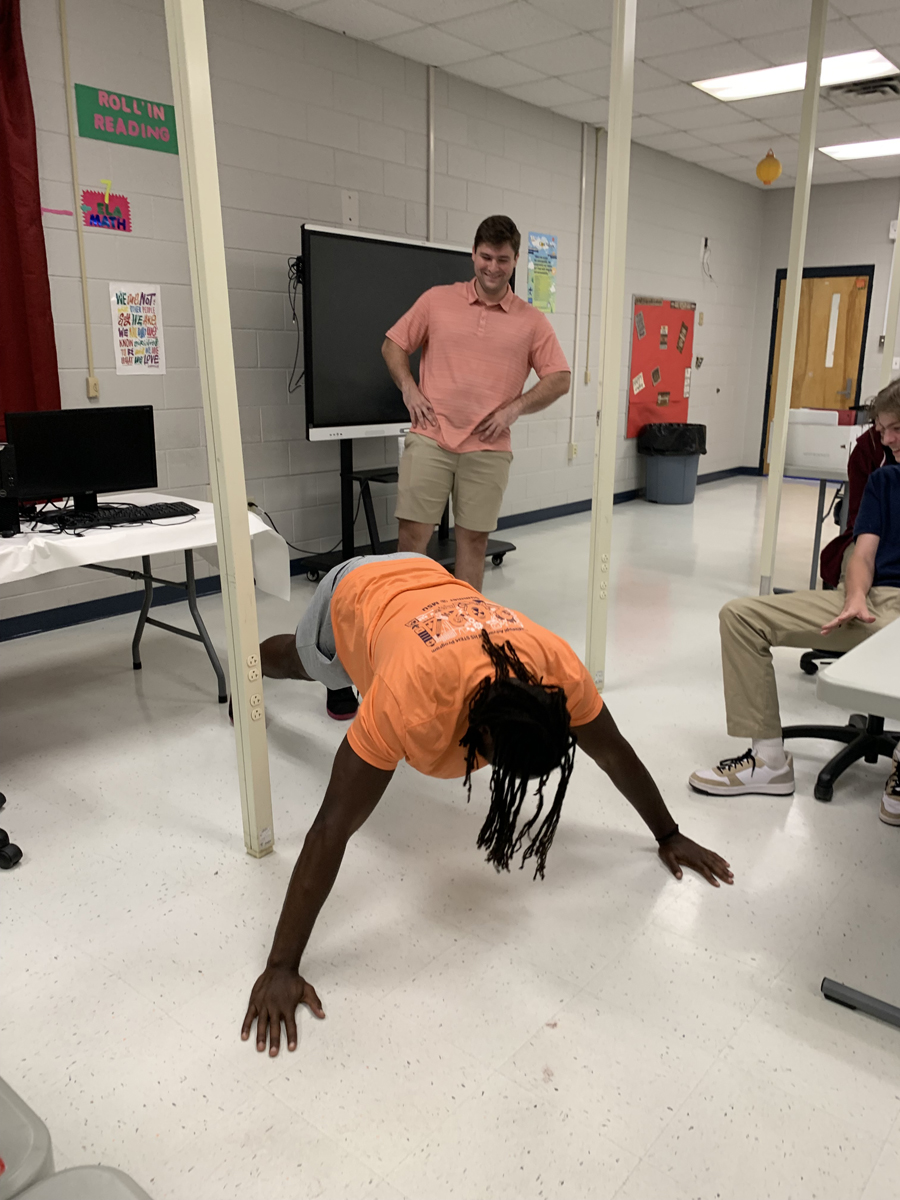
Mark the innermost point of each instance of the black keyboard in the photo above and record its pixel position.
(114, 514)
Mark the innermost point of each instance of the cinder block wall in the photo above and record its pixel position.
(302, 113)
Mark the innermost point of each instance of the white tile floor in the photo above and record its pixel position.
(608, 1033)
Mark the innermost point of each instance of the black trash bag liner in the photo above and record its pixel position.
(669, 439)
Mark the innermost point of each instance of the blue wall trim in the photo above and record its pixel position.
(128, 602)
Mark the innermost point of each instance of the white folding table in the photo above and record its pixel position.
(29, 554)
(865, 679)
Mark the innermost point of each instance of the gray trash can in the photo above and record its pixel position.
(672, 455)
(25, 1149)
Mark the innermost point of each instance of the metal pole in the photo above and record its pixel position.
(429, 217)
(590, 321)
(615, 227)
(206, 246)
(573, 447)
(805, 154)
(893, 312)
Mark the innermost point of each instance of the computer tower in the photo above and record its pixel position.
(9, 504)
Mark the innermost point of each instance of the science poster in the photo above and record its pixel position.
(137, 328)
(542, 271)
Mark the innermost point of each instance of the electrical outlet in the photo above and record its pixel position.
(93, 387)
(895, 365)
(699, 318)
(350, 208)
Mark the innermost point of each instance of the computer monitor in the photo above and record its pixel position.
(79, 452)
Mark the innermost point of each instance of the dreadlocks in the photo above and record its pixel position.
(528, 723)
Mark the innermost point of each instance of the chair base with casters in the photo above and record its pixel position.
(863, 737)
(810, 659)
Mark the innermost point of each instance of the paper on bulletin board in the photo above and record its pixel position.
(137, 328)
(662, 342)
(542, 271)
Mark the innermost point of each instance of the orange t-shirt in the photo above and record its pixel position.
(409, 636)
(475, 356)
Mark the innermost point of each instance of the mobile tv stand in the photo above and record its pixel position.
(442, 547)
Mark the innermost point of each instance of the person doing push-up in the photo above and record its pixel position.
(450, 682)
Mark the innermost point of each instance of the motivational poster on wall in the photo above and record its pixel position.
(112, 116)
(137, 328)
(542, 271)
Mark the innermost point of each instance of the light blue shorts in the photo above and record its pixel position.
(315, 633)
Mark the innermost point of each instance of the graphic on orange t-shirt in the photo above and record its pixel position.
(446, 622)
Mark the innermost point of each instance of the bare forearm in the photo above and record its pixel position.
(544, 393)
(860, 573)
(311, 881)
(397, 361)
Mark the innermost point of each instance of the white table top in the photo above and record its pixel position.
(830, 474)
(30, 554)
(866, 679)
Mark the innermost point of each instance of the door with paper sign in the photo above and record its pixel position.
(831, 336)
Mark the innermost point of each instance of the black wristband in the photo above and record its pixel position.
(668, 837)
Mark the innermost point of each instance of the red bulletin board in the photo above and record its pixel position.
(662, 351)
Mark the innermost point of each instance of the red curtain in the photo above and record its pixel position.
(28, 372)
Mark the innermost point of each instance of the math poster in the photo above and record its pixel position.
(659, 377)
(137, 328)
(542, 271)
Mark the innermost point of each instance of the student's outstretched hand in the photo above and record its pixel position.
(274, 999)
(853, 610)
(680, 851)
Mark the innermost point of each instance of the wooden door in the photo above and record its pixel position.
(830, 330)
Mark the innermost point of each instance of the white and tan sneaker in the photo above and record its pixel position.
(890, 801)
(745, 775)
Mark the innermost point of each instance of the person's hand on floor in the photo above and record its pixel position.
(680, 851)
(853, 610)
(274, 999)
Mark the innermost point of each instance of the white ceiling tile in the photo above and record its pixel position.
(669, 34)
(644, 126)
(508, 28)
(594, 112)
(579, 53)
(887, 129)
(708, 62)
(674, 98)
(740, 19)
(882, 110)
(587, 15)
(838, 119)
(722, 135)
(701, 154)
(758, 148)
(547, 92)
(357, 18)
(672, 142)
(880, 27)
(788, 104)
(430, 45)
(879, 168)
(495, 71)
(710, 113)
(596, 82)
(428, 12)
(790, 45)
(291, 6)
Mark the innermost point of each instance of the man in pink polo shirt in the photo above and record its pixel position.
(479, 343)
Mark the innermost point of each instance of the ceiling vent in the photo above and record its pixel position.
(865, 91)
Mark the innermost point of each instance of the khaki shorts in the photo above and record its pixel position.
(428, 475)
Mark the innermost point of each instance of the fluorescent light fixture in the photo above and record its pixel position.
(771, 81)
(876, 149)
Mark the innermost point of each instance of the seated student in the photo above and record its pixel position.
(450, 682)
(868, 600)
(874, 448)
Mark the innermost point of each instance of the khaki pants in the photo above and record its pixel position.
(749, 628)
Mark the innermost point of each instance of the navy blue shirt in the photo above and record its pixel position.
(879, 513)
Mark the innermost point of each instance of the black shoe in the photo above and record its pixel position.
(341, 704)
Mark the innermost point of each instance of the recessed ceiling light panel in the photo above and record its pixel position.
(882, 148)
(772, 81)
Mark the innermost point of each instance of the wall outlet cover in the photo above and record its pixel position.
(350, 208)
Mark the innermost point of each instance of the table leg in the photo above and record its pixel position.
(820, 518)
(142, 619)
(201, 628)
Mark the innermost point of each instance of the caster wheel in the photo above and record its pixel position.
(807, 666)
(857, 720)
(2, 799)
(497, 559)
(9, 856)
(312, 576)
(823, 793)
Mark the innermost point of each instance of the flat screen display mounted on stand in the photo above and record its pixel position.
(355, 286)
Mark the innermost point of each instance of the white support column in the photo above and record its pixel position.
(893, 314)
(206, 245)
(573, 446)
(615, 228)
(805, 154)
(429, 209)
